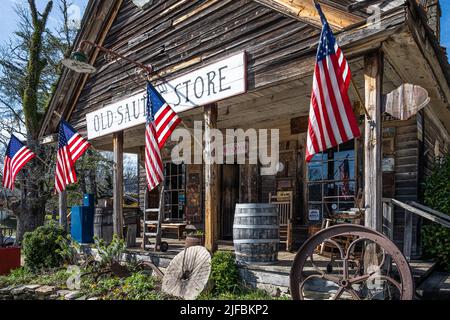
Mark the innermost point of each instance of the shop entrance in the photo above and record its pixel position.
(229, 198)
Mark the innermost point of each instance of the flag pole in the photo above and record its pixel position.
(35, 155)
(182, 122)
(361, 100)
(61, 117)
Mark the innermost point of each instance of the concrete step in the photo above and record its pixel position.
(421, 270)
(435, 287)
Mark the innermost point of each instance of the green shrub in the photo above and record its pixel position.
(41, 246)
(69, 250)
(224, 272)
(101, 288)
(110, 253)
(139, 286)
(435, 238)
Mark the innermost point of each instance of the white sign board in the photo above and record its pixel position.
(314, 215)
(211, 83)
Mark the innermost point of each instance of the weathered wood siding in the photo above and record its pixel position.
(435, 145)
(175, 33)
(406, 176)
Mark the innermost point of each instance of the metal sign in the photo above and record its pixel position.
(209, 84)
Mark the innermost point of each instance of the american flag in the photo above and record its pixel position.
(331, 117)
(161, 122)
(71, 147)
(17, 156)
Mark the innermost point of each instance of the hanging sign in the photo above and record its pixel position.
(206, 85)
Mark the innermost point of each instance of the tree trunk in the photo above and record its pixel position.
(28, 220)
(34, 195)
(34, 188)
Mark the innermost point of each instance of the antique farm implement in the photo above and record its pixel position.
(369, 267)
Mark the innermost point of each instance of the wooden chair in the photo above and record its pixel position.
(285, 213)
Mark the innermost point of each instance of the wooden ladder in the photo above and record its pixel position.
(152, 223)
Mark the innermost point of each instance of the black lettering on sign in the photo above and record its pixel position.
(221, 78)
(196, 89)
(211, 77)
(144, 103)
(187, 89)
(103, 123)
(127, 113)
(178, 95)
(119, 112)
(137, 112)
(110, 117)
(96, 123)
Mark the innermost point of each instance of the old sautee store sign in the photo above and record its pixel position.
(212, 83)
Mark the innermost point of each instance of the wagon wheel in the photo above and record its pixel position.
(188, 273)
(381, 272)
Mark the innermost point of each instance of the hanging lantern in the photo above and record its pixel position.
(142, 3)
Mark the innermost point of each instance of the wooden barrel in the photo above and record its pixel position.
(256, 233)
(103, 224)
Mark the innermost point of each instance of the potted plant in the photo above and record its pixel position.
(9, 255)
(195, 238)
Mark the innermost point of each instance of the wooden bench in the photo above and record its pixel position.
(178, 227)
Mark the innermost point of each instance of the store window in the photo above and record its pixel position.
(175, 192)
(331, 182)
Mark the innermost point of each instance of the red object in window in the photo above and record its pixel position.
(9, 259)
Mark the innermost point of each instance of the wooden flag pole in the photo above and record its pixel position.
(61, 117)
(360, 98)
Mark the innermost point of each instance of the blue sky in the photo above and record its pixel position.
(8, 17)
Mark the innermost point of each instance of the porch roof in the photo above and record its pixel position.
(401, 31)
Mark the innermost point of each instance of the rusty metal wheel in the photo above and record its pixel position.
(369, 267)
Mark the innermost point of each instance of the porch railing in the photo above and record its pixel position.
(411, 208)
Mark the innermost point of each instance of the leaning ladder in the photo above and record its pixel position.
(153, 220)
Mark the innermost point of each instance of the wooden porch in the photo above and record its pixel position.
(274, 277)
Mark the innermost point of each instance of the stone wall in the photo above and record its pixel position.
(39, 292)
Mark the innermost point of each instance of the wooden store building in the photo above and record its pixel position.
(243, 64)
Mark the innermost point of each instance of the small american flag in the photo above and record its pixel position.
(161, 122)
(71, 147)
(17, 156)
(331, 117)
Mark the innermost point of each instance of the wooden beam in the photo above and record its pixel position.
(118, 184)
(211, 181)
(373, 143)
(63, 210)
(305, 11)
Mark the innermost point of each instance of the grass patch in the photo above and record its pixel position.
(241, 294)
(23, 276)
(138, 286)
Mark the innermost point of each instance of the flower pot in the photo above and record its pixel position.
(9, 259)
(192, 241)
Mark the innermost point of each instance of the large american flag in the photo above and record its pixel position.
(71, 147)
(17, 156)
(331, 117)
(161, 122)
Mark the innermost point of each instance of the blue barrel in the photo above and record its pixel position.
(82, 221)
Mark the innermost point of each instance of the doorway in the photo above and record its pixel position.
(229, 198)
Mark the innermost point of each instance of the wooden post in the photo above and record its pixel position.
(63, 210)
(118, 184)
(211, 182)
(373, 143)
